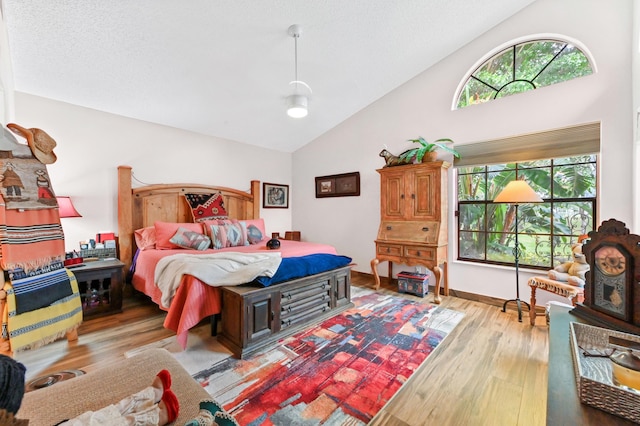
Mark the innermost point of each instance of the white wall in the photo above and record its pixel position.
(421, 107)
(635, 85)
(92, 144)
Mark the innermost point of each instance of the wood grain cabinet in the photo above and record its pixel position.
(254, 317)
(100, 284)
(413, 220)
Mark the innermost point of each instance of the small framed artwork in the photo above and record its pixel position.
(342, 185)
(275, 196)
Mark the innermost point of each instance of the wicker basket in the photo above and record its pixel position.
(593, 374)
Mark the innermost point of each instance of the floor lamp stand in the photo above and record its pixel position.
(516, 255)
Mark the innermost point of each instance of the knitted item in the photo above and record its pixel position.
(171, 402)
(211, 406)
(208, 409)
(222, 418)
(12, 378)
(204, 418)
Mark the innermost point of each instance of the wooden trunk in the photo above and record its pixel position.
(255, 317)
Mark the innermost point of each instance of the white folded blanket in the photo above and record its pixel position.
(214, 269)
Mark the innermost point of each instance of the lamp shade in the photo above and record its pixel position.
(297, 106)
(517, 192)
(66, 208)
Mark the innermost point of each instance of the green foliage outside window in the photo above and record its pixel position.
(522, 67)
(486, 230)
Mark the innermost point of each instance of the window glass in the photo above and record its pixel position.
(486, 230)
(523, 67)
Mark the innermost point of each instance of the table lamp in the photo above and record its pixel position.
(66, 208)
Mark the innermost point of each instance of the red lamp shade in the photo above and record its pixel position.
(66, 209)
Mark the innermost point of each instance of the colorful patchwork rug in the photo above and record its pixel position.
(340, 372)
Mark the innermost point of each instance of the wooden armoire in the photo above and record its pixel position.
(413, 220)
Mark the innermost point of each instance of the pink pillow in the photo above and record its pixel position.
(166, 230)
(255, 230)
(145, 238)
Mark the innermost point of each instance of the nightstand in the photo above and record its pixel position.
(100, 284)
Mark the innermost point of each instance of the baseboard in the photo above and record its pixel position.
(488, 300)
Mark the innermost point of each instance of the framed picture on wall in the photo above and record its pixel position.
(342, 185)
(275, 196)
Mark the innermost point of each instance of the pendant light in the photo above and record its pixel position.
(297, 103)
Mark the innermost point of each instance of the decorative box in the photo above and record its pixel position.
(594, 372)
(413, 283)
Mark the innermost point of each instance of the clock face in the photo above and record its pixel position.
(610, 261)
(610, 281)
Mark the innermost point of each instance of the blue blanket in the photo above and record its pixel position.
(39, 288)
(297, 267)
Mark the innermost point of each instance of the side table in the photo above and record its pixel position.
(100, 283)
(573, 293)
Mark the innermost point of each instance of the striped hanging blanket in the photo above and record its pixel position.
(37, 289)
(35, 328)
(30, 239)
(43, 302)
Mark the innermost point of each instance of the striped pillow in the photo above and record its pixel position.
(229, 235)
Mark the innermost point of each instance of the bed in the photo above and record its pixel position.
(148, 206)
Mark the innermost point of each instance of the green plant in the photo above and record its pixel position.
(418, 153)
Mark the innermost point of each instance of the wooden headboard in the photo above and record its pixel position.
(141, 207)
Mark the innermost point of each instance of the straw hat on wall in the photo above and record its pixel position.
(39, 141)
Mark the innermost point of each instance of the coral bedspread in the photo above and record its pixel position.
(195, 300)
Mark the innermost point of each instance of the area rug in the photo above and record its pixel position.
(341, 372)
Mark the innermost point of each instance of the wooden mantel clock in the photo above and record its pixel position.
(612, 289)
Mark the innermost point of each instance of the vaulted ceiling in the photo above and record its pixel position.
(223, 67)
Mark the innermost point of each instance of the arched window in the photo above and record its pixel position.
(521, 67)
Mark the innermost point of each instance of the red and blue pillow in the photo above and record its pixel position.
(206, 206)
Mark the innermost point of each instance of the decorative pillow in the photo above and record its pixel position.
(255, 230)
(190, 240)
(166, 230)
(207, 224)
(230, 235)
(145, 238)
(206, 206)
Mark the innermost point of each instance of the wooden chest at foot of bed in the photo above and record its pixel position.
(255, 317)
(413, 283)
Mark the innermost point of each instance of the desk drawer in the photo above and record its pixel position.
(389, 249)
(418, 252)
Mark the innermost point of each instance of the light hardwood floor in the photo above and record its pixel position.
(491, 370)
